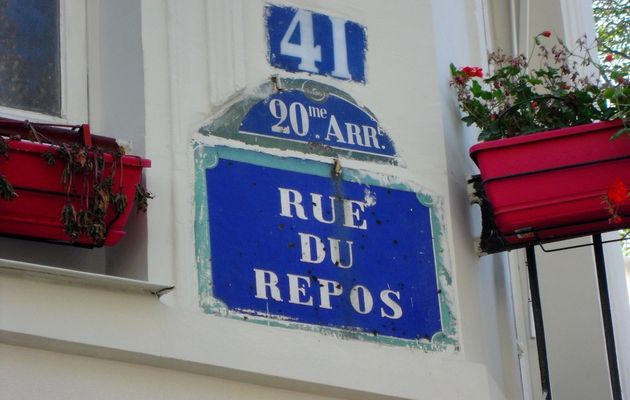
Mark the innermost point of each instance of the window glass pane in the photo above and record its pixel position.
(30, 77)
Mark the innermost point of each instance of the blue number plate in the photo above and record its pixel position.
(301, 40)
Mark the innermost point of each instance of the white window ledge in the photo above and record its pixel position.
(82, 278)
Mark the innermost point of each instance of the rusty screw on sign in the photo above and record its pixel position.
(336, 169)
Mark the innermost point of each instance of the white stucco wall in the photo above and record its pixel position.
(168, 67)
(196, 57)
(32, 374)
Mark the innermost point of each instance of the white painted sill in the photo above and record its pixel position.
(82, 278)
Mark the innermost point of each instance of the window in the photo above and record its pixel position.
(30, 73)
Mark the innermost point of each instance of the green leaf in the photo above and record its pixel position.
(486, 95)
(454, 70)
(609, 93)
(620, 132)
(476, 89)
(469, 120)
(498, 94)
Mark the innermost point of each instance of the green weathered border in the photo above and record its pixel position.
(227, 124)
(208, 156)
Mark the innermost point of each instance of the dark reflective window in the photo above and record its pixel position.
(30, 74)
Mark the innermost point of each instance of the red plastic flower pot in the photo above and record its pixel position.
(41, 196)
(551, 185)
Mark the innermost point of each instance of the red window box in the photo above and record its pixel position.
(36, 212)
(550, 185)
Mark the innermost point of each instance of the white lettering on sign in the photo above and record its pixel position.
(299, 126)
(279, 111)
(318, 209)
(267, 280)
(301, 293)
(291, 201)
(297, 290)
(295, 119)
(396, 311)
(335, 253)
(334, 130)
(326, 289)
(340, 52)
(361, 299)
(307, 52)
(352, 215)
(320, 250)
(315, 250)
(317, 112)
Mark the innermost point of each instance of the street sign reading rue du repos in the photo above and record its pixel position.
(301, 243)
(282, 239)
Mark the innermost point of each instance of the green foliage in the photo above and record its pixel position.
(6, 189)
(612, 19)
(517, 98)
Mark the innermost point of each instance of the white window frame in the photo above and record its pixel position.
(73, 67)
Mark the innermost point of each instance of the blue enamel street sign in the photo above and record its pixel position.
(301, 40)
(309, 248)
(336, 122)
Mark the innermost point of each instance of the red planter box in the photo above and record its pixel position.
(36, 212)
(550, 186)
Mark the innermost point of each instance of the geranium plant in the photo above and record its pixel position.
(564, 87)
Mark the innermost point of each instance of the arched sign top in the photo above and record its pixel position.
(332, 121)
(306, 116)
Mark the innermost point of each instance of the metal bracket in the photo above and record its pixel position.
(621, 239)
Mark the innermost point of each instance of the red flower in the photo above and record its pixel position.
(534, 104)
(615, 219)
(546, 33)
(617, 192)
(620, 79)
(472, 71)
(609, 57)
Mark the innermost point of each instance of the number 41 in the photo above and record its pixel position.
(307, 52)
